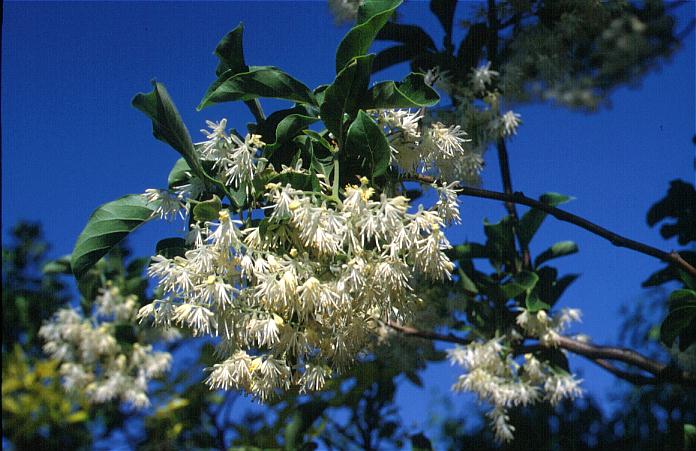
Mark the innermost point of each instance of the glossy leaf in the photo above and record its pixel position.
(179, 175)
(208, 210)
(533, 302)
(444, 10)
(501, 241)
(522, 282)
(467, 251)
(681, 317)
(257, 82)
(289, 127)
(108, 225)
(392, 56)
(531, 221)
(366, 150)
(410, 35)
(58, 266)
(344, 95)
(231, 52)
(412, 92)
(372, 15)
(559, 249)
(167, 125)
(467, 284)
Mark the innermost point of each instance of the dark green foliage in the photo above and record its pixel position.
(371, 18)
(108, 225)
(367, 148)
(679, 204)
(28, 296)
(167, 125)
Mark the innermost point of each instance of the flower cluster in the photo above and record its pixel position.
(494, 375)
(547, 328)
(95, 360)
(434, 148)
(295, 294)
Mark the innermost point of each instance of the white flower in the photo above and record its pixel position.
(496, 378)
(510, 121)
(482, 76)
(94, 361)
(558, 387)
(448, 205)
(344, 10)
(191, 190)
(168, 204)
(448, 140)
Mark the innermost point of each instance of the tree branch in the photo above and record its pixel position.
(412, 332)
(597, 354)
(517, 197)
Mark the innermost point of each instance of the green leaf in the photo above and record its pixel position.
(549, 288)
(108, 225)
(681, 317)
(467, 251)
(559, 249)
(534, 303)
(344, 95)
(525, 281)
(318, 138)
(208, 210)
(411, 35)
(289, 127)
(444, 10)
(59, 266)
(468, 285)
(501, 241)
(689, 436)
(179, 175)
(171, 247)
(258, 81)
(366, 150)
(392, 56)
(167, 125)
(531, 221)
(372, 15)
(679, 297)
(688, 279)
(412, 92)
(231, 52)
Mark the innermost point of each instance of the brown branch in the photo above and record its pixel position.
(633, 378)
(503, 161)
(413, 332)
(562, 215)
(504, 164)
(600, 355)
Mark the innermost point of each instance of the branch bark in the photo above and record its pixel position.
(518, 197)
(599, 355)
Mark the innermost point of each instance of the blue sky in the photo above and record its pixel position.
(71, 141)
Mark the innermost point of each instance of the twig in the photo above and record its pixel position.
(597, 354)
(504, 164)
(503, 161)
(412, 332)
(562, 215)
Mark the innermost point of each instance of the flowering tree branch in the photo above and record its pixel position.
(600, 355)
(562, 215)
(503, 162)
